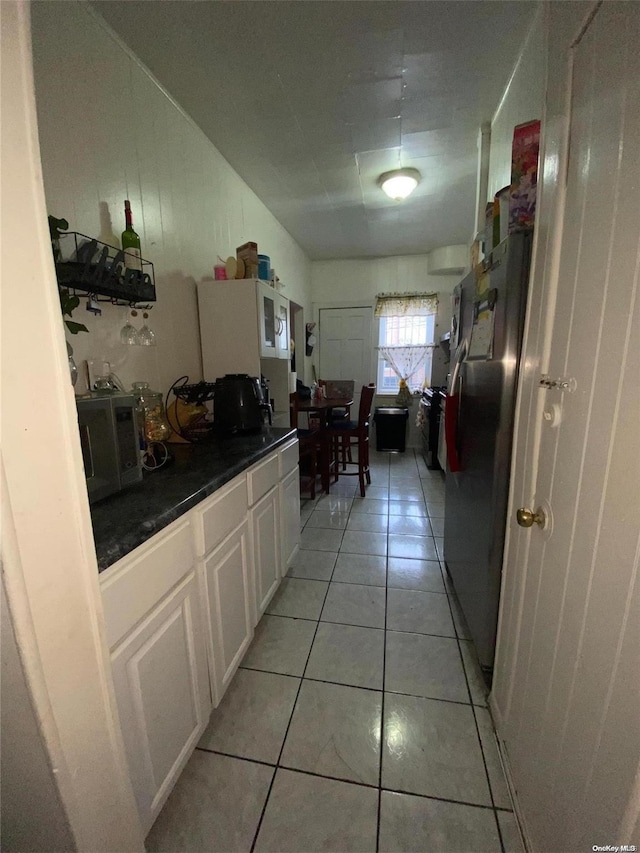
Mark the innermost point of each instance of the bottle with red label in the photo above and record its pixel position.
(131, 242)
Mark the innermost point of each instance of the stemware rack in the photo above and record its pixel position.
(85, 265)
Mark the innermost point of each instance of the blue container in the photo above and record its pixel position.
(264, 265)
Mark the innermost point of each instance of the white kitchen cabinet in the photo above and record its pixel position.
(263, 486)
(289, 486)
(265, 526)
(290, 517)
(155, 631)
(283, 334)
(180, 613)
(268, 320)
(229, 596)
(273, 313)
(241, 322)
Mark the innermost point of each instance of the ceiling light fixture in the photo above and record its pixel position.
(399, 183)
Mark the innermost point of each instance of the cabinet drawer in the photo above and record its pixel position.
(135, 584)
(262, 477)
(216, 517)
(289, 457)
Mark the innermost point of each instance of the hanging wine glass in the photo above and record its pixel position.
(128, 333)
(146, 336)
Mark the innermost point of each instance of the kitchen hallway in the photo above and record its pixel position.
(363, 636)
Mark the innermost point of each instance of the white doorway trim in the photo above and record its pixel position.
(49, 563)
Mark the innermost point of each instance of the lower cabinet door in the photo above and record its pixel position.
(290, 514)
(162, 690)
(227, 577)
(265, 522)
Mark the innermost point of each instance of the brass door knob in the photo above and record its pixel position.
(526, 518)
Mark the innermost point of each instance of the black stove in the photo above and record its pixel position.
(430, 404)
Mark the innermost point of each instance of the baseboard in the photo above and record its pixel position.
(521, 823)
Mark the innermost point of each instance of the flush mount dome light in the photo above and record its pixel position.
(400, 183)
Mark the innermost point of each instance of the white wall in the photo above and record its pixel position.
(109, 132)
(349, 281)
(522, 101)
(333, 282)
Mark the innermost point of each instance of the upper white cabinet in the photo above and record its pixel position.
(273, 312)
(241, 322)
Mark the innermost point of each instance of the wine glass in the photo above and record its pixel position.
(128, 333)
(146, 336)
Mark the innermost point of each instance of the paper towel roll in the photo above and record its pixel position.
(293, 378)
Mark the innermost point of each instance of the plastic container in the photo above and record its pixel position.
(220, 272)
(264, 267)
(391, 428)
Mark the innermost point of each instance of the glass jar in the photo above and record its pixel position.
(152, 420)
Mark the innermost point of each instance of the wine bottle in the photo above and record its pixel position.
(131, 242)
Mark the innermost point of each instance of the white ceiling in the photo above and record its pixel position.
(311, 100)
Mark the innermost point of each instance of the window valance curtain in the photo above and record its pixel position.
(398, 304)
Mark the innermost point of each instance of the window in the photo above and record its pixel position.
(405, 330)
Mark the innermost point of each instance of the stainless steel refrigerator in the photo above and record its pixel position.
(480, 412)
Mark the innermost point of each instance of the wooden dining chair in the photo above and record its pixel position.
(340, 388)
(355, 434)
(307, 446)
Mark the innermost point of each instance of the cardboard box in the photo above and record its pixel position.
(524, 176)
(248, 252)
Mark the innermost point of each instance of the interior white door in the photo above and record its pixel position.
(346, 346)
(567, 678)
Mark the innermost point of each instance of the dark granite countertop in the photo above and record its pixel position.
(123, 521)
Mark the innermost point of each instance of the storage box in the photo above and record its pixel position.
(524, 176)
(248, 252)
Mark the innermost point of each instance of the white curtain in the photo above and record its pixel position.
(405, 361)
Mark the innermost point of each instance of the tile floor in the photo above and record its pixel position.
(358, 720)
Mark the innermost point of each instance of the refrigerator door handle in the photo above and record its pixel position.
(461, 354)
(452, 411)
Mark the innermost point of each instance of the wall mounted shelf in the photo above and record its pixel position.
(86, 265)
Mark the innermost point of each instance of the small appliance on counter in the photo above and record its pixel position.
(239, 403)
(109, 441)
(188, 414)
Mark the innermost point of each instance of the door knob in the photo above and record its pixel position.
(526, 518)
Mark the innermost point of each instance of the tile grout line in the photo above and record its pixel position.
(384, 678)
(359, 686)
(293, 708)
(355, 782)
(374, 585)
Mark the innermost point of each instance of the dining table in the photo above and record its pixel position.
(322, 407)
